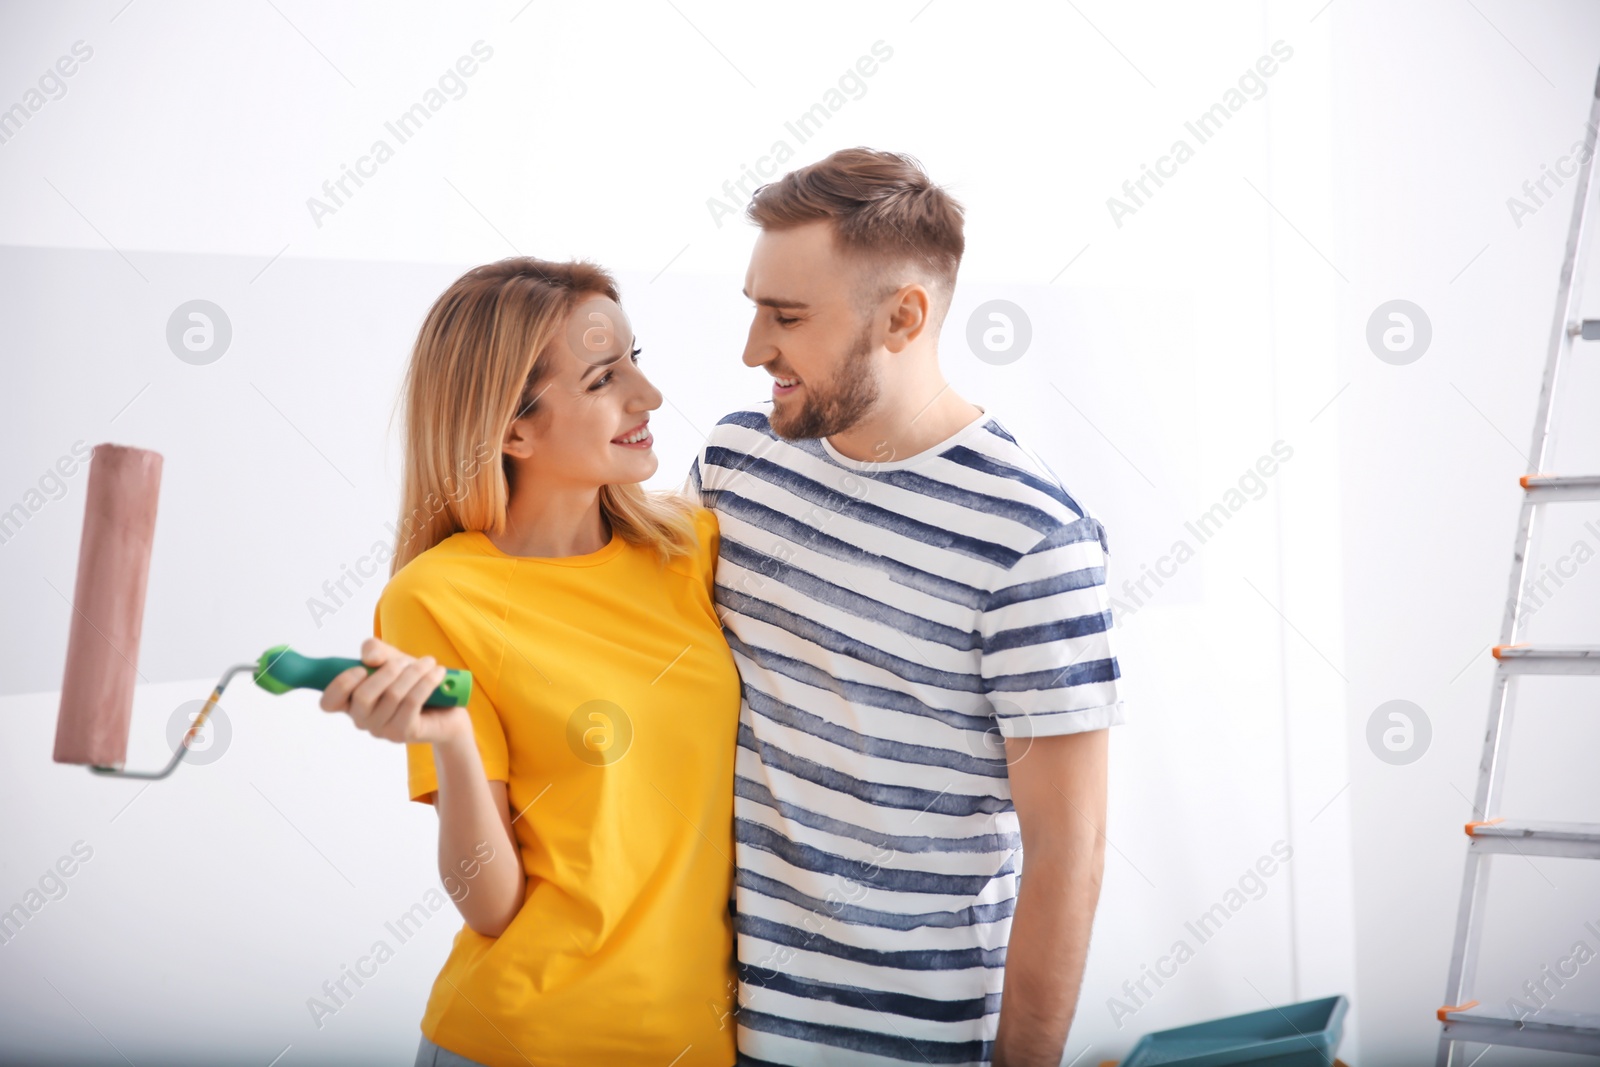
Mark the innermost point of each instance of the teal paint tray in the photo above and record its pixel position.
(1296, 1035)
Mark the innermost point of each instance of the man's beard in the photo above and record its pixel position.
(838, 405)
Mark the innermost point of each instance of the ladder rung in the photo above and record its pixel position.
(1571, 840)
(1559, 1031)
(1550, 488)
(1548, 659)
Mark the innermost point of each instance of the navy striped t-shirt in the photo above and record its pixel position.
(892, 622)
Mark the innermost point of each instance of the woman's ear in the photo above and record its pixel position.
(518, 440)
(908, 316)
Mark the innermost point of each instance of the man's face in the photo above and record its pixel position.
(811, 331)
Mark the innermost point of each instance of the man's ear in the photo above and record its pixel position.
(909, 309)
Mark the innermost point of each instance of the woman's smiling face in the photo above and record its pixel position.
(589, 424)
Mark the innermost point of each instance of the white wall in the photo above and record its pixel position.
(1442, 111)
(1170, 353)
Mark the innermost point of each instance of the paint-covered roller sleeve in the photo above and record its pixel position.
(119, 523)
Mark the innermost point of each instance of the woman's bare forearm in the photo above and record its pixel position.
(478, 857)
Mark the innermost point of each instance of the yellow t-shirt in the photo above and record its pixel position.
(604, 695)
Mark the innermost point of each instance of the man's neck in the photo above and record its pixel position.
(907, 421)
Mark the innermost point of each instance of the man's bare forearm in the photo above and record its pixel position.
(1049, 946)
(1058, 786)
(478, 858)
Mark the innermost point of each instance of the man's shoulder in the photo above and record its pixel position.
(738, 426)
(739, 439)
(1015, 472)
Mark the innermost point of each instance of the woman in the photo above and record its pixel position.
(585, 793)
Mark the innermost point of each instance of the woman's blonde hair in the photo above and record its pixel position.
(480, 358)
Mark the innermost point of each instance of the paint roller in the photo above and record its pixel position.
(119, 522)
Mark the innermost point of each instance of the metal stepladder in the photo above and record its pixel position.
(1462, 1018)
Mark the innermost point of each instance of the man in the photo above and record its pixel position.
(918, 612)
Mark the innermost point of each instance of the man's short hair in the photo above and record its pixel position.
(883, 207)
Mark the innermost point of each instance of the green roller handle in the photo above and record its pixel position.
(280, 670)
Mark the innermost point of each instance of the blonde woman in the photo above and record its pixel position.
(585, 793)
